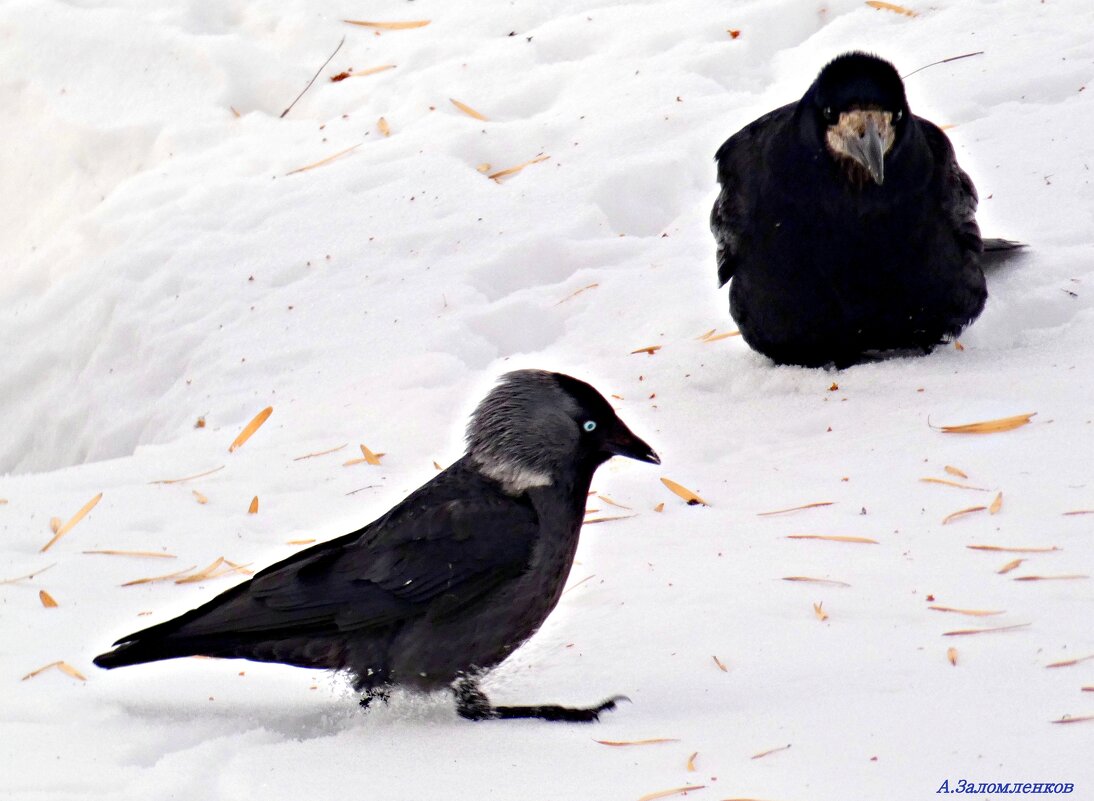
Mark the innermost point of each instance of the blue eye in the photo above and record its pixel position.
(589, 425)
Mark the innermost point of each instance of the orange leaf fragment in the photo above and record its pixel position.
(1003, 549)
(953, 484)
(651, 741)
(199, 497)
(1009, 566)
(795, 509)
(660, 507)
(383, 126)
(990, 426)
(818, 610)
(963, 632)
(1070, 662)
(76, 518)
(726, 335)
(961, 513)
(733, 33)
(969, 612)
(320, 453)
(327, 160)
(691, 762)
(372, 70)
(250, 428)
(496, 176)
(68, 670)
(187, 478)
(709, 333)
(340, 77)
(153, 579)
(810, 580)
(608, 500)
(951, 654)
(466, 109)
(62, 666)
(151, 554)
(832, 538)
(306, 541)
(55, 524)
(690, 497)
(253, 508)
(370, 457)
(649, 350)
(770, 751)
(203, 574)
(953, 471)
(27, 576)
(589, 521)
(673, 791)
(1051, 578)
(721, 665)
(389, 26)
(882, 6)
(436, 465)
(574, 295)
(47, 600)
(996, 505)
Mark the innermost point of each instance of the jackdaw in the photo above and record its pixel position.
(445, 585)
(847, 225)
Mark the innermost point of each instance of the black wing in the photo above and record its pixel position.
(740, 160)
(451, 541)
(959, 198)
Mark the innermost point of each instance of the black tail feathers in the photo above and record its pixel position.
(138, 652)
(999, 251)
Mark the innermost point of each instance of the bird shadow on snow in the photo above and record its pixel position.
(170, 727)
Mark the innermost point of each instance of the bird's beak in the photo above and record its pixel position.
(865, 136)
(623, 442)
(868, 151)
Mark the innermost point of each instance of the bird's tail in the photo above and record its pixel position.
(998, 251)
(137, 652)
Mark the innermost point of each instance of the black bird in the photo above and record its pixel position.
(847, 225)
(446, 584)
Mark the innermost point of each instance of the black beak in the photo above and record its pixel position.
(622, 442)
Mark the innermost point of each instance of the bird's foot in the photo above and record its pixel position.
(381, 693)
(472, 704)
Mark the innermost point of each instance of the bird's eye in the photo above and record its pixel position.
(898, 115)
(589, 425)
(829, 115)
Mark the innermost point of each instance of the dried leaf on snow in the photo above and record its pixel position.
(389, 26)
(832, 538)
(690, 497)
(990, 426)
(250, 428)
(76, 518)
(466, 109)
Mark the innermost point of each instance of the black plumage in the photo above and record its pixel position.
(446, 584)
(846, 225)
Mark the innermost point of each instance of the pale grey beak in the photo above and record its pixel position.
(869, 151)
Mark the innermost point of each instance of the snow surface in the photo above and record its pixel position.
(160, 264)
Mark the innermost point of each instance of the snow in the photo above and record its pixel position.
(159, 264)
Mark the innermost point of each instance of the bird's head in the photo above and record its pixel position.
(535, 426)
(859, 105)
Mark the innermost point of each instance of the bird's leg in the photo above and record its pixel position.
(472, 703)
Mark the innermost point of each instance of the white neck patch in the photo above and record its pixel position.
(515, 478)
